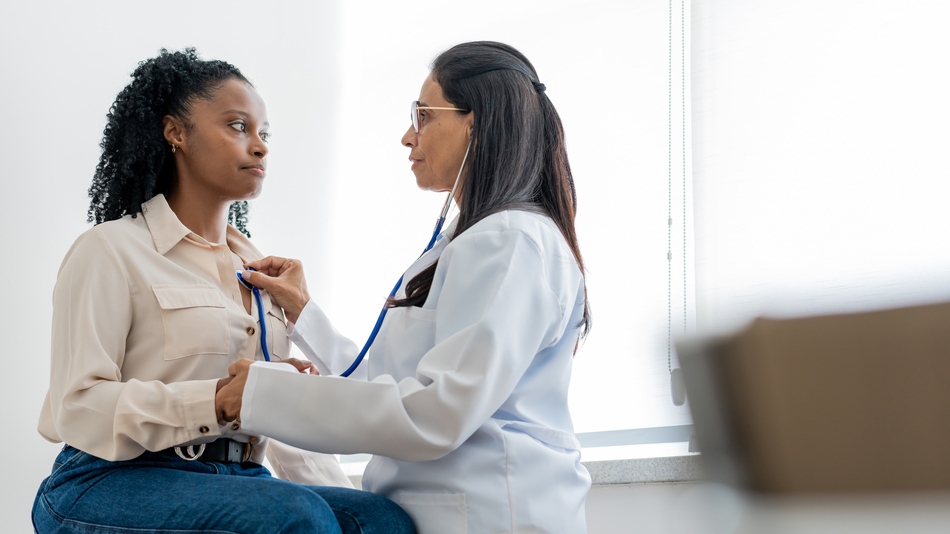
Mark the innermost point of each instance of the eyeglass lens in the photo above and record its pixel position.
(414, 114)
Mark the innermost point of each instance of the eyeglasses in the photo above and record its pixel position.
(417, 120)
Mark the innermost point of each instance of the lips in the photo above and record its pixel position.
(259, 170)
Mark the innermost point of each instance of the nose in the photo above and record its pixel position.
(409, 138)
(260, 147)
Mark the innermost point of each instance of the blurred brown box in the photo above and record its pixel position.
(841, 403)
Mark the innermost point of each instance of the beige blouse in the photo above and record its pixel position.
(147, 316)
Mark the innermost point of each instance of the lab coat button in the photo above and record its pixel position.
(250, 330)
(235, 426)
(203, 429)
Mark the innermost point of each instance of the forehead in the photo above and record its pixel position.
(431, 93)
(235, 95)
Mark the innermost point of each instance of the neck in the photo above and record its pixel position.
(209, 219)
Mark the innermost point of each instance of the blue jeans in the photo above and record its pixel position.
(163, 493)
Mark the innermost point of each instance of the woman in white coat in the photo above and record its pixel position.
(463, 397)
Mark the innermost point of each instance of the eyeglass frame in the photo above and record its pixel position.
(414, 113)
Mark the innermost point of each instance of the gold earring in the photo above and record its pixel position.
(173, 148)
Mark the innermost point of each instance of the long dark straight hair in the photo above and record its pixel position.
(518, 159)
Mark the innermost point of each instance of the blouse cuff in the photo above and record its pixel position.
(200, 415)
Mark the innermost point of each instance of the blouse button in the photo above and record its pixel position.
(203, 429)
(250, 330)
(235, 426)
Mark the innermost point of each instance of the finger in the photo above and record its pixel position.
(259, 280)
(300, 365)
(270, 265)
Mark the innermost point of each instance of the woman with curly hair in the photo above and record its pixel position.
(148, 315)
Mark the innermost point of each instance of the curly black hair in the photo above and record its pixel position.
(135, 164)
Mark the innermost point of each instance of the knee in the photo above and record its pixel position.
(366, 513)
(292, 509)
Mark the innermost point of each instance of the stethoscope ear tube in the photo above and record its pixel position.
(432, 240)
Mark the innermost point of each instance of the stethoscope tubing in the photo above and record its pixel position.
(432, 240)
(260, 313)
(382, 314)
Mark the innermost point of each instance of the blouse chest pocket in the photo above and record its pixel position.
(278, 342)
(195, 320)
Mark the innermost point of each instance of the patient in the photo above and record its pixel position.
(148, 315)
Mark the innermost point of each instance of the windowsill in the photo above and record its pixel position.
(658, 455)
(661, 470)
(671, 469)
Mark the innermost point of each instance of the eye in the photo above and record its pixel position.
(265, 136)
(238, 125)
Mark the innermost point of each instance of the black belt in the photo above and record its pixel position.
(220, 450)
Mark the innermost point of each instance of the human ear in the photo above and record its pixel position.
(173, 130)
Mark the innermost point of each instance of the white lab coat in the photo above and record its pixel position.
(463, 401)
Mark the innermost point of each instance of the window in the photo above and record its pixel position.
(821, 180)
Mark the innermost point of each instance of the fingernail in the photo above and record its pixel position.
(246, 275)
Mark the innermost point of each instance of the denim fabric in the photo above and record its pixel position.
(162, 493)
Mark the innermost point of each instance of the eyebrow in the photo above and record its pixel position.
(243, 114)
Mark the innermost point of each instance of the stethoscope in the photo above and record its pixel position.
(382, 314)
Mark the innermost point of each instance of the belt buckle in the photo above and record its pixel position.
(239, 452)
(192, 455)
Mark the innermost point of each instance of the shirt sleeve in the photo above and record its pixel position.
(494, 313)
(92, 408)
(319, 340)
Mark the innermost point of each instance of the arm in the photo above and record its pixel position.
(93, 409)
(496, 311)
(331, 351)
(310, 329)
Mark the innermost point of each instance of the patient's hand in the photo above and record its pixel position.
(230, 394)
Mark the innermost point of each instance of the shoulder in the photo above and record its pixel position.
(107, 240)
(536, 228)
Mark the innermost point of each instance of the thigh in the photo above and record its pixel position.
(362, 512)
(91, 495)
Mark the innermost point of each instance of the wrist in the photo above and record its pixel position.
(293, 314)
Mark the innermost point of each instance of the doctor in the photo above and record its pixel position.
(463, 395)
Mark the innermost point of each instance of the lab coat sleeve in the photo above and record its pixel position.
(305, 467)
(319, 340)
(92, 408)
(495, 312)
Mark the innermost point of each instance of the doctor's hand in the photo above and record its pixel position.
(284, 279)
(230, 394)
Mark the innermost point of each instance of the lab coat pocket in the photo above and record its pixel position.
(435, 513)
(195, 320)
